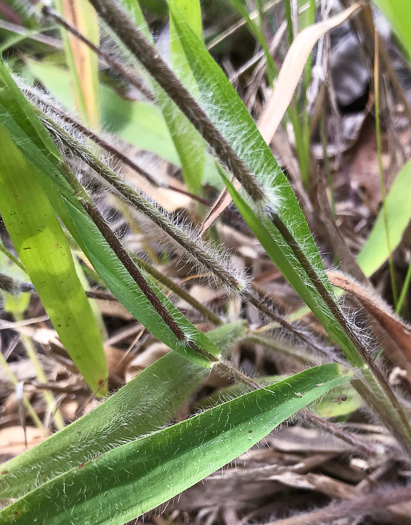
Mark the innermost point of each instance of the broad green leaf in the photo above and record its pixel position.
(141, 406)
(398, 204)
(83, 62)
(32, 139)
(398, 13)
(123, 483)
(43, 249)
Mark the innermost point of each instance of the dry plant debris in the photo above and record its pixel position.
(310, 85)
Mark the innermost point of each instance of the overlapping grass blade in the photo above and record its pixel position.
(118, 485)
(44, 251)
(230, 117)
(290, 267)
(189, 144)
(141, 406)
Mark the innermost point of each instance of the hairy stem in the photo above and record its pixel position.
(134, 81)
(119, 20)
(348, 437)
(122, 254)
(190, 245)
(353, 508)
(386, 405)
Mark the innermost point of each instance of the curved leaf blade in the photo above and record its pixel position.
(219, 100)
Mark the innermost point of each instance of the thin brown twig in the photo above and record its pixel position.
(131, 77)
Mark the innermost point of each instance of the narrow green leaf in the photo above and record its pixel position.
(141, 406)
(224, 107)
(136, 477)
(290, 267)
(189, 144)
(375, 251)
(272, 70)
(43, 249)
(124, 288)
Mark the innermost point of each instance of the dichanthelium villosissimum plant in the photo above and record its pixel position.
(117, 462)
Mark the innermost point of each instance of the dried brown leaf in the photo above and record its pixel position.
(399, 331)
(292, 69)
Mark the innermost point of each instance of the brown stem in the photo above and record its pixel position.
(104, 56)
(122, 254)
(228, 369)
(338, 432)
(379, 501)
(270, 311)
(132, 269)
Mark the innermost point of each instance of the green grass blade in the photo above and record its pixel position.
(135, 478)
(375, 251)
(229, 115)
(124, 288)
(259, 34)
(398, 13)
(290, 267)
(189, 144)
(141, 406)
(43, 249)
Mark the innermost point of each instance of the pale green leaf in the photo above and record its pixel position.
(398, 205)
(398, 13)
